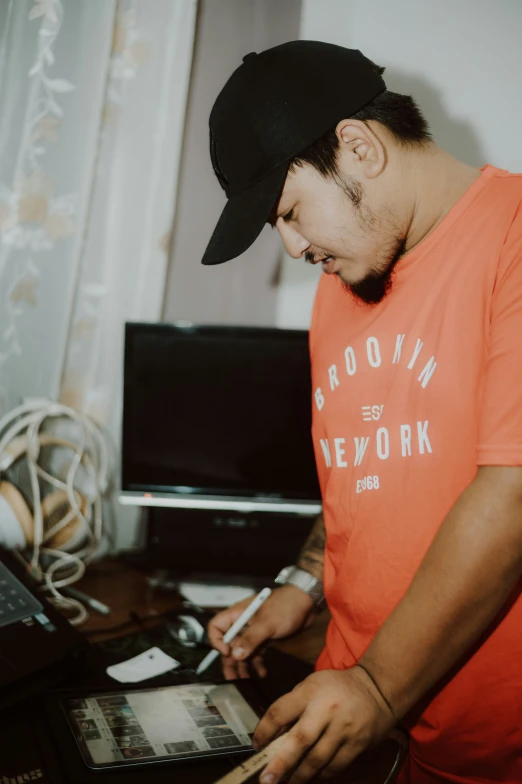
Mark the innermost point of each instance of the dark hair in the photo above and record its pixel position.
(398, 113)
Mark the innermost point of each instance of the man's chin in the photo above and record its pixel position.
(370, 290)
(373, 288)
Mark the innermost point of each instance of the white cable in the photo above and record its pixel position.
(89, 451)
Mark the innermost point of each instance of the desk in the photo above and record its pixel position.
(125, 589)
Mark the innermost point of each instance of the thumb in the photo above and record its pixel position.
(250, 639)
(218, 626)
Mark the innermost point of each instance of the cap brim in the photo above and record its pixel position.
(243, 218)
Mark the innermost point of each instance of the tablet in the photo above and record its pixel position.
(198, 720)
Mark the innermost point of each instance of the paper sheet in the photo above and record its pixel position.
(148, 664)
(214, 595)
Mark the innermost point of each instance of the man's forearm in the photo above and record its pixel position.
(468, 573)
(311, 557)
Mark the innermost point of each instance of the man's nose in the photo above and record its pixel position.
(294, 242)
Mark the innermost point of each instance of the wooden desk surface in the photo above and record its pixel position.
(125, 590)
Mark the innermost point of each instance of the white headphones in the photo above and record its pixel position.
(64, 527)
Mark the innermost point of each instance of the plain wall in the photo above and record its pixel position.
(244, 290)
(460, 59)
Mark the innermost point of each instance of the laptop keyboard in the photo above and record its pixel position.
(16, 602)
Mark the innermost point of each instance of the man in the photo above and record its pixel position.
(416, 357)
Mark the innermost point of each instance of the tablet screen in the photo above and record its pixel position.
(174, 722)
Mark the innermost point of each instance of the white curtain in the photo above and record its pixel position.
(92, 97)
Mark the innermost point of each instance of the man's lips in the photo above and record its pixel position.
(326, 261)
(328, 264)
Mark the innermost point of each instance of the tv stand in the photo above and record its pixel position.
(225, 547)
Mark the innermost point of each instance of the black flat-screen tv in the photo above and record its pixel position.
(218, 417)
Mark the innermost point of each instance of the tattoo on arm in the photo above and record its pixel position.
(311, 557)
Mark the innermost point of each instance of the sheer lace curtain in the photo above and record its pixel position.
(93, 96)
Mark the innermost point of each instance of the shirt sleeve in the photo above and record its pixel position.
(500, 424)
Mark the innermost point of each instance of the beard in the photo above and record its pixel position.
(377, 283)
(373, 288)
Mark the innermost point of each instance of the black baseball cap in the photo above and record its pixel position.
(274, 106)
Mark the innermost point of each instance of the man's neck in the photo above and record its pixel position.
(438, 181)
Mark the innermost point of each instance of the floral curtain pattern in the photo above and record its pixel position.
(93, 97)
(33, 216)
(124, 259)
(43, 182)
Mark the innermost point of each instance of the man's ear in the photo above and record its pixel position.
(363, 147)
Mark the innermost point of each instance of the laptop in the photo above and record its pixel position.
(38, 646)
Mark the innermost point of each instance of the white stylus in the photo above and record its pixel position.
(236, 627)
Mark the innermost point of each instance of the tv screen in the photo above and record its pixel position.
(217, 416)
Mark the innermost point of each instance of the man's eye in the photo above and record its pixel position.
(289, 216)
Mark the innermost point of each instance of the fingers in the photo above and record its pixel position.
(341, 759)
(332, 718)
(220, 624)
(258, 663)
(283, 613)
(235, 656)
(229, 666)
(251, 638)
(233, 669)
(317, 758)
(281, 713)
(299, 740)
(259, 630)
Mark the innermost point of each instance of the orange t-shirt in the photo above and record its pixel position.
(409, 397)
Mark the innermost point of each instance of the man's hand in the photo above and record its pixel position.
(331, 717)
(286, 611)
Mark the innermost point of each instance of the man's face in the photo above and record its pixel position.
(333, 221)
